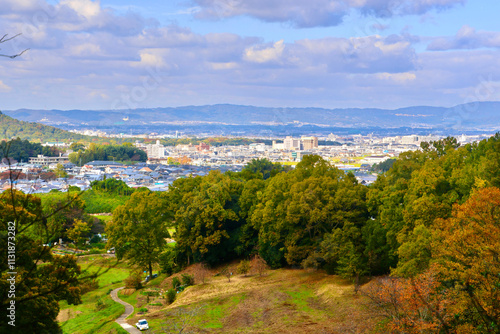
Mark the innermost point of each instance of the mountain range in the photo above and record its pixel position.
(477, 116)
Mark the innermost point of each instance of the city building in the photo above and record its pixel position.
(309, 143)
(291, 143)
(45, 161)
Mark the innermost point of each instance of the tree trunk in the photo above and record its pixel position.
(150, 270)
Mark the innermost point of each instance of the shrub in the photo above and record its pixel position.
(243, 267)
(167, 262)
(95, 239)
(100, 305)
(143, 310)
(200, 272)
(259, 265)
(133, 281)
(176, 283)
(187, 279)
(89, 285)
(171, 294)
(150, 293)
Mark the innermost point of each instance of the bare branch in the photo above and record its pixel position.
(13, 56)
(4, 39)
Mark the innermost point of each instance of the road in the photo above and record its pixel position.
(129, 309)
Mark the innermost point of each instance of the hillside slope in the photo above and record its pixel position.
(282, 301)
(35, 132)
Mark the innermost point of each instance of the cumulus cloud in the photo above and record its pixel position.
(266, 54)
(314, 13)
(369, 54)
(397, 77)
(82, 49)
(467, 38)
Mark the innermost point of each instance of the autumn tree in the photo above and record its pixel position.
(459, 292)
(412, 306)
(139, 229)
(201, 272)
(468, 258)
(258, 265)
(243, 267)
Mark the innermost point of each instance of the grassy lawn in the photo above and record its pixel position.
(105, 219)
(98, 311)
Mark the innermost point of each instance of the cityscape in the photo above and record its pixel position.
(250, 166)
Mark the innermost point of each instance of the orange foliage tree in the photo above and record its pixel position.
(416, 305)
(467, 255)
(460, 292)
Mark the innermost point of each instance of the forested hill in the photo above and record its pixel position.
(35, 132)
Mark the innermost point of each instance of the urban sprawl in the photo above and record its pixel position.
(165, 164)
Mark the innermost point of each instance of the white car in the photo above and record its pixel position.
(142, 325)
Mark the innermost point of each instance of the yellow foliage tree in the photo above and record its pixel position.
(468, 255)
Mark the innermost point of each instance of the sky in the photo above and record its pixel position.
(124, 54)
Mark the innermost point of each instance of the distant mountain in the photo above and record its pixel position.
(481, 116)
(13, 128)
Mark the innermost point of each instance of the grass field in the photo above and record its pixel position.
(104, 218)
(98, 311)
(283, 301)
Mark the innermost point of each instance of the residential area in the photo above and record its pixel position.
(167, 163)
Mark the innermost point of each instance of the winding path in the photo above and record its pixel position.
(129, 309)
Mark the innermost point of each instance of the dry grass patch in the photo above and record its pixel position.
(283, 301)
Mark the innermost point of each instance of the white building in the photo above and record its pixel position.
(291, 144)
(155, 151)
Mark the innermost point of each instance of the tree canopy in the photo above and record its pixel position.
(41, 279)
(139, 229)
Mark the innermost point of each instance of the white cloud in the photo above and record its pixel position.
(467, 38)
(315, 13)
(265, 55)
(87, 8)
(397, 77)
(4, 87)
(97, 54)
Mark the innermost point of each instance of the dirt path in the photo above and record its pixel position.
(129, 309)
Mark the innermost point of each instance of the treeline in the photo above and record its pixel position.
(22, 150)
(125, 152)
(317, 216)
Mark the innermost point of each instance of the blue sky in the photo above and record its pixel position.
(112, 54)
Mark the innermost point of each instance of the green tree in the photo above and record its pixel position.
(75, 147)
(265, 167)
(79, 231)
(60, 171)
(42, 279)
(207, 222)
(139, 229)
(299, 207)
